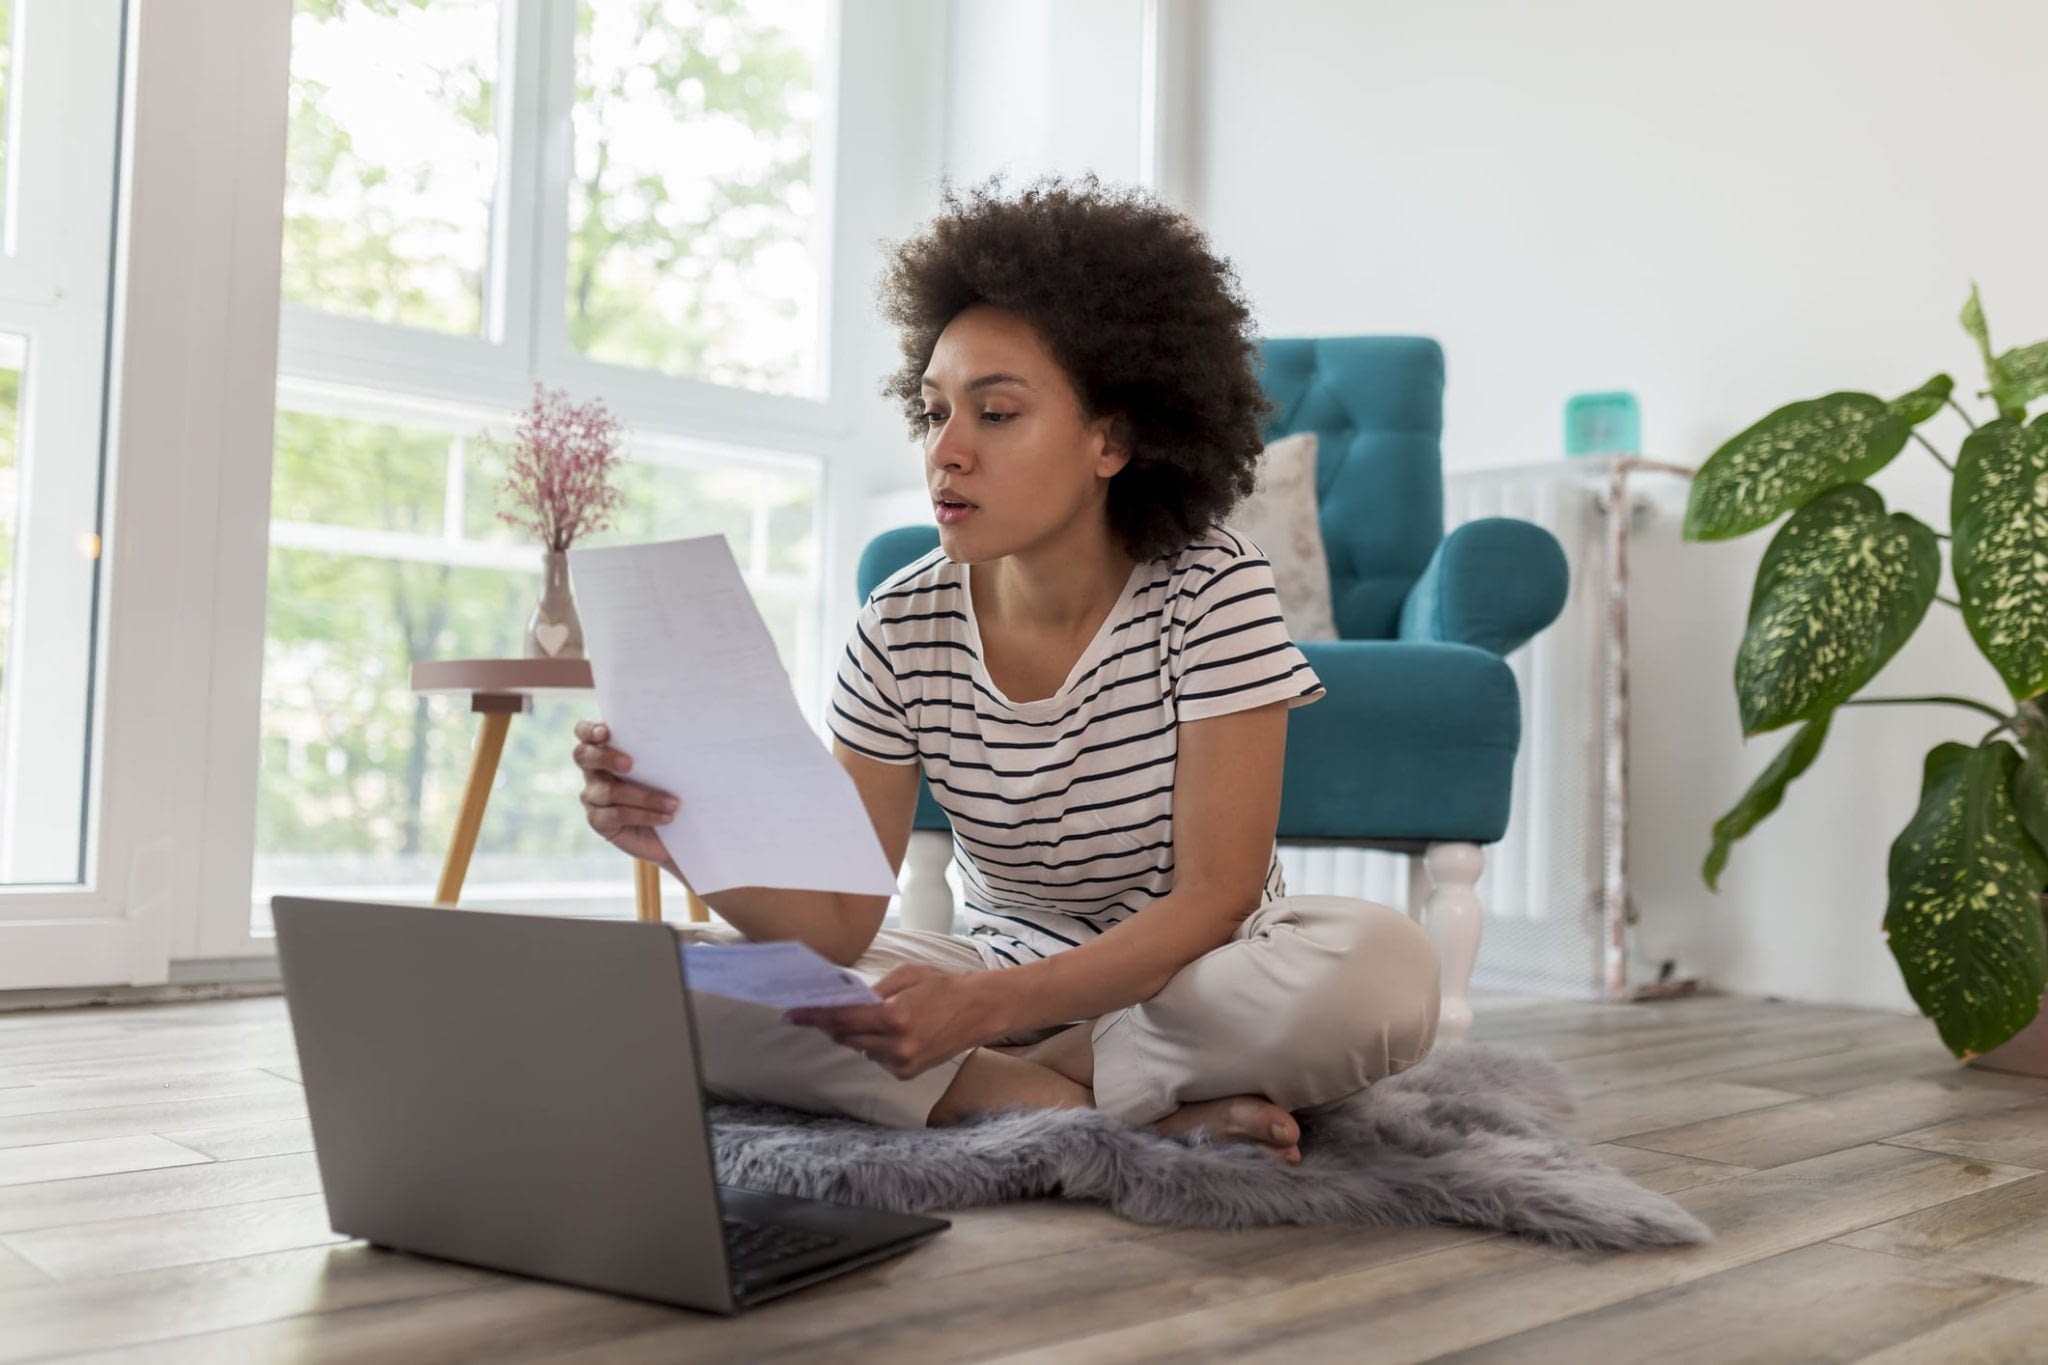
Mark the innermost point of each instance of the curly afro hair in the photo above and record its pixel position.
(1147, 323)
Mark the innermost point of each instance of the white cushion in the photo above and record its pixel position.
(1280, 518)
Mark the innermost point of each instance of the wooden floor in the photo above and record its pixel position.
(159, 1202)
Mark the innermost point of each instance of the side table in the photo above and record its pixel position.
(499, 689)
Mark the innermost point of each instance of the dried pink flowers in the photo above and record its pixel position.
(564, 456)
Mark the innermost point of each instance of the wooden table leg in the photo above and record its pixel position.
(646, 890)
(483, 770)
(647, 895)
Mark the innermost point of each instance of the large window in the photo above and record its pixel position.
(393, 167)
(59, 100)
(619, 197)
(633, 194)
(13, 353)
(385, 549)
(691, 211)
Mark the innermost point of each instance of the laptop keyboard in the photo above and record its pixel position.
(756, 1246)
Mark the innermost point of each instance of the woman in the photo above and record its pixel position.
(1092, 673)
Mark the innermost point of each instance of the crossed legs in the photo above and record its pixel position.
(1313, 999)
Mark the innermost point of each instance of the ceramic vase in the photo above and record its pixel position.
(555, 632)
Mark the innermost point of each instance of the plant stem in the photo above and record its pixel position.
(1937, 698)
(1962, 414)
(2030, 722)
(1949, 600)
(1942, 535)
(1935, 453)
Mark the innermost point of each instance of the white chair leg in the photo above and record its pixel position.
(927, 901)
(1451, 915)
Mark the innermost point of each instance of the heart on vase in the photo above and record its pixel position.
(551, 637)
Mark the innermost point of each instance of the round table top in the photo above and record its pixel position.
(509, 677)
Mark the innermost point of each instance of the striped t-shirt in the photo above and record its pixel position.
(1062, 807)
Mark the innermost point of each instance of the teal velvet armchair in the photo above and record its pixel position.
(1413, 748)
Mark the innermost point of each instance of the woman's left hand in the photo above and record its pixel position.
(927, 1014)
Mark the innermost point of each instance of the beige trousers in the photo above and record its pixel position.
(1312, 999)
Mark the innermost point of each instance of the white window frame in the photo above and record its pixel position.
(525, 333)
(449, 546)
(884, 75)
(181, 624)
(200, 197)
(372, 371)
(54, 290)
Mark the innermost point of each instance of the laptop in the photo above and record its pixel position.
(521, 1092)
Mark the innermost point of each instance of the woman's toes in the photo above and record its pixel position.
(1241, 1118)
(1272, 1127)
(1254, 1119)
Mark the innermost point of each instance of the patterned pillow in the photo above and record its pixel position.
(1280, 518)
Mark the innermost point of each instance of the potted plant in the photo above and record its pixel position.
(561, 462)
(1843, 584)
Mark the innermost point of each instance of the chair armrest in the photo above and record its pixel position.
(1492, 583)
(1416, 740)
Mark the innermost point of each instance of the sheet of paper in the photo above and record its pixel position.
(784, 974)
(690, 685)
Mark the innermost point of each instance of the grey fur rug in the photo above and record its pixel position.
(1471, 1136)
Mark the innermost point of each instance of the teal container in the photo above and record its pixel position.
(1602, 424)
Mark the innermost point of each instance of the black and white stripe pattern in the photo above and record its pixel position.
(1062, 808)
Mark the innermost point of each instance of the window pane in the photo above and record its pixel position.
(60, 93)
(11, 349)
(373, 475)
(392, 159)
(793, 529)
(6, 87)
(662, 501)
(666, 502)
(791, 618)
(361, 779)
(692, 217)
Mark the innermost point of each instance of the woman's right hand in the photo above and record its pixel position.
(625, 813)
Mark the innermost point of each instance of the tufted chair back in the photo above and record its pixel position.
(1375, 404)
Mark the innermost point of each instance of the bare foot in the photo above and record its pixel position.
(1239, 1118)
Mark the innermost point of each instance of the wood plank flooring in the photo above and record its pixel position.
(1872, 1201)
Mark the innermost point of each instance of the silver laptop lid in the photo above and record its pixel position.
(507, 1090)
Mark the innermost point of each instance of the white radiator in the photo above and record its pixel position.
(1541, 887)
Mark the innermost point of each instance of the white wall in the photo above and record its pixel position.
(1722, 207)
(1044, 85)
(1029, 87)
(895, 85)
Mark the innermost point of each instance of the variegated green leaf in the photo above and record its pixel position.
(1972, 318)
(1923, 402)
(1964, 918)
(1788, 457)
(1841, 588)
(1994, 368)
(2026, 376)
(2030, 792)
(1999, 508)
(1763, 796)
